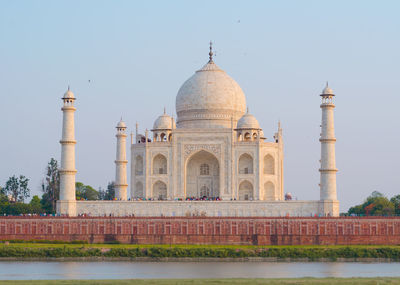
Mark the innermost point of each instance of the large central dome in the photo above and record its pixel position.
(209, 99)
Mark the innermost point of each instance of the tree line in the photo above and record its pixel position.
(377, 204)
(16, 191)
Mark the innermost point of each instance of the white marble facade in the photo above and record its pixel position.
(215, 150)
(207, 162)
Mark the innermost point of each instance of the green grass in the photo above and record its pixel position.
(42, 250)
(214, 281)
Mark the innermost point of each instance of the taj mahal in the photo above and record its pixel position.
(213, 160)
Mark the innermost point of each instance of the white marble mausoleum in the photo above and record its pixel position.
(214, 160)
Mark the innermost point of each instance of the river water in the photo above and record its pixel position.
(23, 270)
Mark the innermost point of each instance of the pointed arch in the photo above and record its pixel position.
(159, 164)
(159, 190)
(269, 191)
(245, 164)
(202, 175)
(269, 164)
(139, 165)
(139, 190)
(246, 190)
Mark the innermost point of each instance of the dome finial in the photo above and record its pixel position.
(247, 110)
(210, 53)
(165, 110)
(68, 87)
(327, 90)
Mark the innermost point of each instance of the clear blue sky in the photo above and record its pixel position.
(138, 53)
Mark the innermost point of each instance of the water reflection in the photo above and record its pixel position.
(333, 269)
(13, 270)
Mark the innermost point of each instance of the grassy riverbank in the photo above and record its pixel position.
(44, 250)
(302, 281)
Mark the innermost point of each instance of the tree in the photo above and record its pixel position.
(358, 210)
(381, 205)
(376, 204)
(17, 208)
(3, 201)
(79, 191)
(369, 208)
(108, 194)
(36, 205)
(85, 192)
(375, 194)
(91, 193)
(396, 202)
(51, 186)
(17, 188)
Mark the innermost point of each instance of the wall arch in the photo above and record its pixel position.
(139, 190)
(269, 191)
(269, 164)
(163, 137)
(138, 165)
(246, 190)
(159, 190)
(245, 164)
(159, 164)
(202, 172)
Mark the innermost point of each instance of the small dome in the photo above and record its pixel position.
(248, 121)
(327, 90)
(164, 122)
(121, 124)
(69, 94)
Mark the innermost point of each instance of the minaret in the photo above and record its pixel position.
(67, 171)
(121, 184)
(279, 140)
(137, 133)
(328, 164)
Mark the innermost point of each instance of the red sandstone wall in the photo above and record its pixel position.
(205, 230)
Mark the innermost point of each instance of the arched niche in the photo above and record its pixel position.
(245, 164)
(202, 173)
(245, 190)
(139, 190)
(269, 164)
(138, 165)
(247, 136)
(269, 191)
(159, 190)
(159, 164)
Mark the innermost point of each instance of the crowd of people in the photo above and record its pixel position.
(204, 198)
(31, 215)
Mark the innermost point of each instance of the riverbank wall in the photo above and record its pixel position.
(206, 230)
